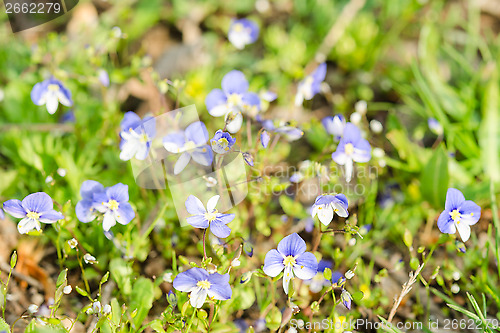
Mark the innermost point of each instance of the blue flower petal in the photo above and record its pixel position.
(203, 155)
(118, 192)
(37, 202)
(219, 288)
(84, 211)
(265, 138)
(219, 229)
(454, 198)
(273, 263)
(187, 280)
(198, 221)
(130, 121)
(51, 216)
(194, 206)
(292, 245)
(125, 213)
(234, 82)
(149, 126)
(470, 212)
(445, 223)
(89, 187)
(319, 73)
(14, 208)
(215, 98)
(251, 99)
(225, 218)
(306, 266)
(38, 91)
(197, 132)
(352, 134)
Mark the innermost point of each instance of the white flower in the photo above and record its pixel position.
(361, 107)
(376, 126)
(89, 259)
(106, 309)
(73, 243)
(33, 308)
(67, 290)
(61, 172)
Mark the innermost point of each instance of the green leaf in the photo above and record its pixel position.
(121, 272)
(273, 319)
(61, 278)
(4, 326)
(489, 133)
(82, 291)
(141, 299)
(435, 177)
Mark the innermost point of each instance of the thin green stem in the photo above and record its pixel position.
(87, 287)
(204, 243)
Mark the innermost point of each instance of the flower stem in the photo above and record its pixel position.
(87, 287)
(188, 328)
(204, 245)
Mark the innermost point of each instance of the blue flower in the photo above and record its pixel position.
(68, 117)
(346, 299)
(137, 136)
(311, 85)
(334, 125)
(248, 158)
(265, 138)
(200, 284)
(326, 206)
(112, 202)
(203, 218)
(435, 126)
(35, 208)
(103, 77)
(50, 93)
(232, 100)
(268, 96)
(242, 32)
(292, 257)
(317, 283)
(222, 142)
(284, 129)
(85, 210)
(190, 143)
(459, 214)
(352, 148)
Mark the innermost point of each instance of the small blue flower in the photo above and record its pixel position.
(50, 93)
(459, 214)
(200, 284)
(435, 126)
(2, 214)
(68, 117)
(137, 136)
(268, 96)
(35, 208)
(338, 278)
(297, 177)
(284, 129)
(222, 142)
(311, 85)
(334, 125)
(265, 138)
(113, 203)
(242, 32)
(346, 299)
(232, 100)
(352, 148)
(85, 210)
(248, 158)
(103, 77)
(326, 206)
(317, 283)
(203, 218)
(292, 257)
(190, 143)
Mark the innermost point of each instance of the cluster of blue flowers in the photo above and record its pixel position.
(234, 100)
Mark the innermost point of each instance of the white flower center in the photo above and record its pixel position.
(204, 284)
(455, 216)
(234, 99)
(53, 87)
(189, 145)
(33, 215)
(289, 261)
(144, 138)
(349, 149)
(112, 204)
(211, 216)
